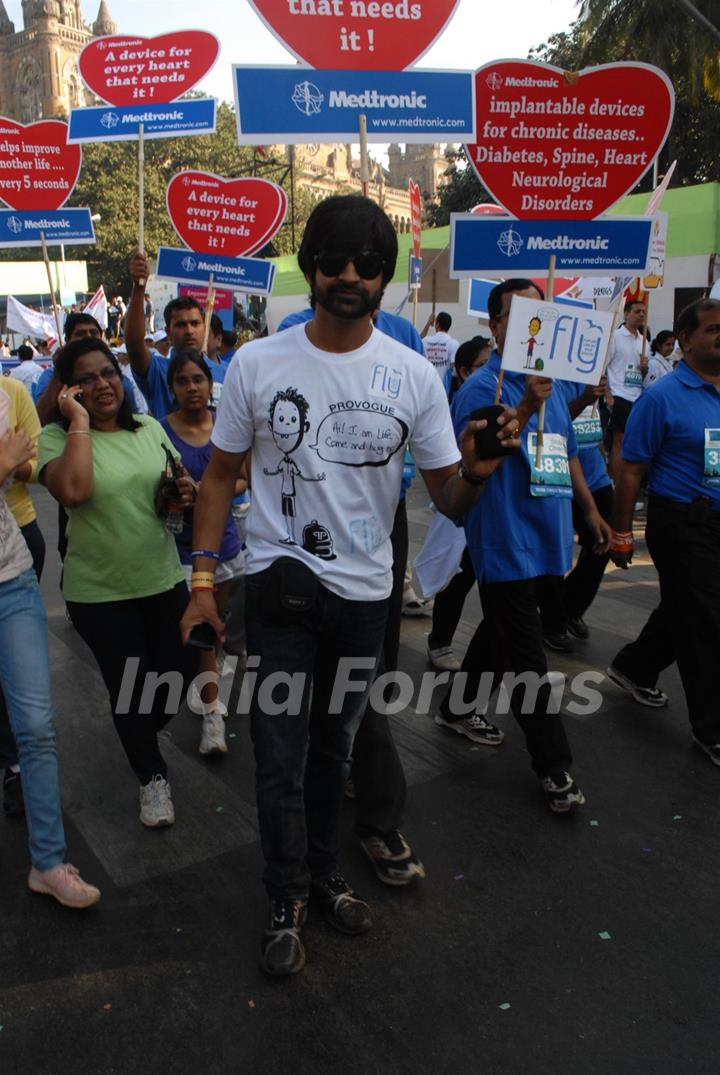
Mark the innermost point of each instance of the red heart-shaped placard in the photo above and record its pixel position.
(361, 35)
(556, 145)
(125, 70)
(38, 169)
(233, 217)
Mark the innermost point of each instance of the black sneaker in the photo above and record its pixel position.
(281, 950)
(13, 801)
(561, 792)
(713, 752)
(558, 641)
(650, 696)
(392, 857)
(474, 727)
(343, 907)
(578, 628)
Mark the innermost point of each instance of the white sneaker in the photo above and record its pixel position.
(444, 658)
(65, 884)
(212, 740)
(156, 805)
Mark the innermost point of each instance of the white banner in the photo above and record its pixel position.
(98, 308)
(548, 339)
(30, 322)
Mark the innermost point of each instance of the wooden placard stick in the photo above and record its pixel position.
(55, 308)
(364, 155)
(209, 307)
(541, 415)
(141, 192)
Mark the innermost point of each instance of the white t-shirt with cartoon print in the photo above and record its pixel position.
(328, 434)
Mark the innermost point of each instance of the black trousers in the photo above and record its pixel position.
(448, 605)
(583, 582)
(146, 628)
(377, 772)
(685, 547)
(509, 639)
(653, 650)
(36, 544)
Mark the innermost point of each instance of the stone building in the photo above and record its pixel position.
(324, 169)
(38, 64)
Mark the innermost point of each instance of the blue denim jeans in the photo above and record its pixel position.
(302, 755)
(25, 676)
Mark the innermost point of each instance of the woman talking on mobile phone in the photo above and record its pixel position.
(122, 580)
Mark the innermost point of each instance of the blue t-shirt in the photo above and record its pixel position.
(47, 375)
(195, 461)
(666, 430)
(155, 388)
(591, 458)
(398, 328)
(512, 535)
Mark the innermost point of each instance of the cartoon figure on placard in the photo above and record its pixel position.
(288, 424)
(533, 330)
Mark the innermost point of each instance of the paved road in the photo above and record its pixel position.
(537, 943)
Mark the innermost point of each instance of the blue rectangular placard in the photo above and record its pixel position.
(502, 246)
(70, 227)
(301, 104)
(415, 271)
(110, 124)
(254, 275)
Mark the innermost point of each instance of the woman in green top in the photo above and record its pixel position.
(122, 581)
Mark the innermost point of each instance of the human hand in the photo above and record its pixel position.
(71, 408)
(202, 608)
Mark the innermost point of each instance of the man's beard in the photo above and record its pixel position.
(363, 302)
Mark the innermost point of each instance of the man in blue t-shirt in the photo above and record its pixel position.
(673, 434)
(562, 613)
(520, 537)
(185, 325)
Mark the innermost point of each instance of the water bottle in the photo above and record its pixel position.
(175, 519)
(174, 516)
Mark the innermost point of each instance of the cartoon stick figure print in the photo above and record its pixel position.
(533, 329)
(288, 424)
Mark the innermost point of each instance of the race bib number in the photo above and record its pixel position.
(711, 478)
(552, 476)
(633, 377)
(588, 429)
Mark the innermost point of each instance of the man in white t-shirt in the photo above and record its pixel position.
(625, 376)
(327, 408)
(439, 348)
(28, 371)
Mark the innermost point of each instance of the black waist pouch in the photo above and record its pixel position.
(289, 590)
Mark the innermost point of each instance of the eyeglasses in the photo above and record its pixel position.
(368, 264)
(89, 380)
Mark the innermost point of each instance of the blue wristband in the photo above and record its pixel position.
(205, 552)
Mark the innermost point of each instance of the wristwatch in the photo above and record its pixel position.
(471, 479)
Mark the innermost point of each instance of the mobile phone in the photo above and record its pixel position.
(202, 636)
(487, 445)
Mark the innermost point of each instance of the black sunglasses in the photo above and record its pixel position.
(368, 264)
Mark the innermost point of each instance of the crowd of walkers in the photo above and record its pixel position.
(270, 483)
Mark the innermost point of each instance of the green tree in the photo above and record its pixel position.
(108, 184)
(661, 32)
(459, 193)
(695, 133)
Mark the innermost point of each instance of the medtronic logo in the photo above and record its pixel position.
(307, 98)
(109, 120)
(510, 243)
(15, 225)
(494, 81)
(188, 264)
